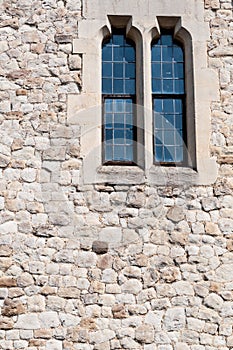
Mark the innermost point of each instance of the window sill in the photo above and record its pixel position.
(155, 175)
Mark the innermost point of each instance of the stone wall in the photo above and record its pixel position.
(103, 266)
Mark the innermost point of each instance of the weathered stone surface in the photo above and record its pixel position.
(175, 214)
(28, 321)
(7, 282)
(174, 319)
(145, 334)
(119, 311)
(12, 308)
(6, 323)
(100, 247)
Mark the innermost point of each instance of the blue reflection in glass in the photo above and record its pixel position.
(107, 86)
(118, 86)
(167, 54)
(118, 70)
(156, 53)
(129, 54)
(178, 54)
(108, 152)
(166, 40)
(159, 154)
(109, 135)
(168, 105)
(107, 53)
(107, 70)
(168, 85)
(130, 70)
(130, 86)
(156, 70)
(169, 154)
(156, 85)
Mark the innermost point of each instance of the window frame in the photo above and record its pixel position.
(122, 96)
(84, 109)
(167, 95)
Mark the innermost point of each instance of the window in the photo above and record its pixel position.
(168, 95)
(118, 95)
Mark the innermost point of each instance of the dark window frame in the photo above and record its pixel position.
(172, 95)
(119, 96)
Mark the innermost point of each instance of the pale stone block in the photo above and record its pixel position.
(28, 321)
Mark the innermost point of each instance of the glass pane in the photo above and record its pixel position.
(156, 85)
(179, 154)
(130, 70)
(129, 54)
(159, 137)
(129, 153)
(168, 85)
(118, 39)
(156, 70)
(179, 86)
(167, 70)
(107, 70)
(108, 135)
(169, 154)
(167, 54)
(118, 53)
(106, 53)
(119, 120)
(119, 105)
(156, 53)
(119, 153)
(108, 106)
(130, 86)
(107, 86)
(108, 152)
(168, 105)
(119, 136)
(178, 121)
(158, 105)
(108, 120)
(159, 153)
(169, 137)
(166, 39)
(169, 121)
(178, 54)
(158, 120)
(118, 86)
(168, 129)
(179, 70)
(129, 137)
(118, 70)
(128, 106)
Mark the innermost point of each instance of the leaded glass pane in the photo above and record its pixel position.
(118, 63)
(168, 129)
(118, 129)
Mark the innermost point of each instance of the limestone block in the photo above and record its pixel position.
(101, 336)
(174, 319)
(100, 247)
(145, 334)
(12, 308)
(132, 286)
(28, 321)
(111, 234)
(6, 323)
(7, 281)
(154, 318)
(175, 214)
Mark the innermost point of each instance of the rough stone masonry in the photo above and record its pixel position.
(103, 266)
